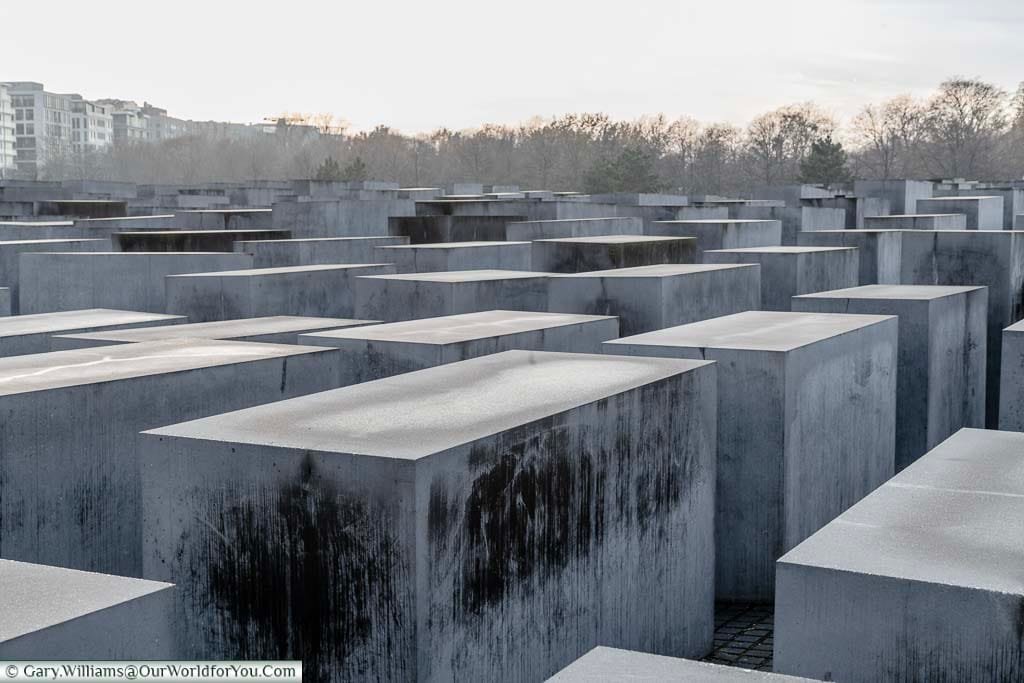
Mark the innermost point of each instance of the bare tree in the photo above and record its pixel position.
(887, 135)
(963, 122)
(779, 140)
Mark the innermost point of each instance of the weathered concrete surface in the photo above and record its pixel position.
(5, 301)
(49, 611)
(11, 250)
(414, 527)
(789, 271)
(806, 427)
(1011, 383)
(340, 217)
(580, 254)
(989, 258)
(434, 229)
(942, 355)
(69, 478)
(718, 234)
(24, 334)
(654, 297)
(225, 219)
(902, 194)
(609, 665)
(793, 219)
(313, 251)
(429, 295)
(879, 252)
(920, 581)
(191, 240)
(446, 256)
(982, 212)
(318, 291)
(390, 349)
(917, 221)
(127, 281)
(574, 227)
(279, 329)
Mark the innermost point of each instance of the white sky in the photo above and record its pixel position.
(459, 63)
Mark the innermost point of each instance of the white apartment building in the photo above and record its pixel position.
(42, 122)
(92, 126)
(7, 137)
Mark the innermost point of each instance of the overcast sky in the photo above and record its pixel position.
(459, 63)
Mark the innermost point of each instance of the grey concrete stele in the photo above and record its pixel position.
(1011, 384)
(411, 296)
(878, 251)
(917, 221)
(450, 256)
(24, 334)
(393, 348)
(574, 227)
(722, 234)
(609, 665)
(789, 271)
(69, 486)
(654, 297)
(942, 355)
(190, 240)
(313, 251)
(920, 581)
(5, 301)
(119, 280)
(982, 212)
(430, 517)
(10, 252)
(317, 291)
(580, 254)
(52, 612)
(806, 427)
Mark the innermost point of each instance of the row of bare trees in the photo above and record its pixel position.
(967, 128)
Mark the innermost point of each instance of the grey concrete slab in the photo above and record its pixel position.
(53, 612)
(225, 219)
(5, 301)
(982, 212)
(392, 348)
(313, 251)
(879, 252)
(69, 477)
(794, 219)
(610, 665)
(920, 580)
(806, 427)
(339, 217)
(789, 271)
(62, 281)
(902, 194)
(191, 240)
(917, 221)
(719, 234)
(653, 297)
(24, 334)
(574, 227)
(604, 252)
(942, 356)
(278, 329)
(445, 256)
(1011, 382)
(433, 515)
(322, 290)
(10, 251)
(448, 228)
(429, 295)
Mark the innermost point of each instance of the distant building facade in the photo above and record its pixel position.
(42, 122)
(7, 132)
(92, 126)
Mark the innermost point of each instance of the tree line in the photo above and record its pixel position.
(967, 128)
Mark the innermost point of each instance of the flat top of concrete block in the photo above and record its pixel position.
(662, 270)
(60, 240)
(40, 224)
(461, 275)
(138, 254)
(251, 272)
(618, 239)
(917, 292)
(954, 517)
(452, 329)
(1013, 329)
(863, 231)
(225, 211)
(611, 665)
(632, 219)
(958, 198)
(452, 245)
(318, 239)
(222, 329)
(756, 331)
(916, 215)
(413, 415)
(176, 233)
(125, 218)
(59, 369)
(718, 221)
(41, 323)
(37, 596)
(777, 250)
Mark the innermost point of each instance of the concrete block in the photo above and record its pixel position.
(470, 228)
(902, 194)
(942, 355)
(806, 427)
(50, 611)
(879, 252)
(191, 240)
(690, 213)
(25, 334)
(429, 295)
(788, 271)
(431, 516)
(446, 256)
(917, 221)
(340, 217)
(579, 254)
(318, 291)
(5, 301)
(225, 219)
(69, 478)
(11, 250)
(1011, 383)
(383, 350)
(793, 219)
(63, 281)
(279, 329)
(1018, 221)
(574, 227)
(716, 234)
(983, 213)
(653, 297)
(314, 250)
(917, 582)
(610, 665)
